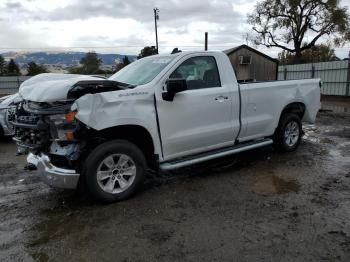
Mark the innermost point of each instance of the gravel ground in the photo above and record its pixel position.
(258, 206)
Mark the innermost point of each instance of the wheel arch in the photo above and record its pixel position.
(135, 134)
(297, 108)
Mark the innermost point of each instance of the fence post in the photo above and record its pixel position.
(348, 78)
(313, 71)
(285, 73)
(18, 83)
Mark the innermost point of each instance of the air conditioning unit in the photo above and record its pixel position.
(245, 60)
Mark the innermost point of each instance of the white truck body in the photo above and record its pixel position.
(197, 120)
(5, 108)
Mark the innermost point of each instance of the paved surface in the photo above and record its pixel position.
(336, 104)
(260, 206)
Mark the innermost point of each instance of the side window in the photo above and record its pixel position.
(199, 72)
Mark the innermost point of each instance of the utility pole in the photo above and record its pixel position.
(156, 18)
(206, 41)
(348, 78)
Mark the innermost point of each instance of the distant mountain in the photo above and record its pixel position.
(62, 59)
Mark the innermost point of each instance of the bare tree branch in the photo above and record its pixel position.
(278, 23)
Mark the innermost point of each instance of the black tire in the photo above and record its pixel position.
(280, 140)
(100, 154)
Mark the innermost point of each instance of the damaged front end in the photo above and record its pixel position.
(47, 129)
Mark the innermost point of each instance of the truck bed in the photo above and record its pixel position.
(263, 102)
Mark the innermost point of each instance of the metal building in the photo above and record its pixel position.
(250, 65)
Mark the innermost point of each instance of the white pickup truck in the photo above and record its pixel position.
(162, 112)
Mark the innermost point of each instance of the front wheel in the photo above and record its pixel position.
(287, 136)
(115, 170)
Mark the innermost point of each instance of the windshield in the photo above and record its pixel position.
(142, 71)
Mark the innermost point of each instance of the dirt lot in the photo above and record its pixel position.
(259, 206)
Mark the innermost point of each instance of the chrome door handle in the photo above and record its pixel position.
(221, 98)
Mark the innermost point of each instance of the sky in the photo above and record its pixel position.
(119, 26)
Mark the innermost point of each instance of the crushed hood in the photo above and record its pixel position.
(8, 100)
(51, 87)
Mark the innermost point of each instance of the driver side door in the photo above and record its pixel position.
(198, 119)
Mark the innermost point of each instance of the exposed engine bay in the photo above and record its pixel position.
(33, 123)
(51, 127)
(46, 127)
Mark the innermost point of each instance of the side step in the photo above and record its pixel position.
(214, 154)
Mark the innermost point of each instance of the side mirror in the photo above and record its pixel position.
(174, 86)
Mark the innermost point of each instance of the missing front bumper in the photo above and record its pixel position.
(52, 175)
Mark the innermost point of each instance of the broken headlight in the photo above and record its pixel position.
(63, 126)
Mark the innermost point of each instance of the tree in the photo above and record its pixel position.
(147, 51)
(2, 66)
(175, 51)
(12, 69)
(90, 64)
(35, 69)
(126, 61)
(317, 53)
(122, 64)
(287, 23)
(75, 70)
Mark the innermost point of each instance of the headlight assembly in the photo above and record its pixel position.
(63, 126)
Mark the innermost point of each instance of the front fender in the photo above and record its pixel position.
(128, 107)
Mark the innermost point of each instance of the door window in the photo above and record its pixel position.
(199, 72)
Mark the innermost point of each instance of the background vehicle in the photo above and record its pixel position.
(161, 112)
(6, 102)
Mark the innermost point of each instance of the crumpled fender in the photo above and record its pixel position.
(124, 107)
(308, 93)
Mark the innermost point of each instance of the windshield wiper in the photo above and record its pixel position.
(124, 85)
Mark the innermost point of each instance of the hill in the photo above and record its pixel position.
(61, 59)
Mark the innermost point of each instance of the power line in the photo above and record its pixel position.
(129, 46)
(108, 47)
(73, 47)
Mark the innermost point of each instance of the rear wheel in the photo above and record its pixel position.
(115, 171)
(288, 133)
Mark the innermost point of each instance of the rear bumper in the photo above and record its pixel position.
(52, 175)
